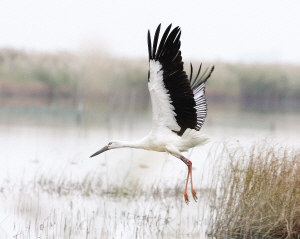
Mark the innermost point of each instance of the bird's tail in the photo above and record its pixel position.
(196, 136)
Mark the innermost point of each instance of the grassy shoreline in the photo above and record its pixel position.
(258, 193)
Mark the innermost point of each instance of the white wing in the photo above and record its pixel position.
(163, 114)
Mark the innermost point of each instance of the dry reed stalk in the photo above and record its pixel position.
(258, 193)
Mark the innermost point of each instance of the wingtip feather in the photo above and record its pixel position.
(149, 45)
(191, 73)
(155, 40)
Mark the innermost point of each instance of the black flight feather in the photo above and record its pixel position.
(191, 72)
(155, 40)
(149, 45)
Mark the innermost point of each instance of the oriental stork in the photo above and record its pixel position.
(178, 103)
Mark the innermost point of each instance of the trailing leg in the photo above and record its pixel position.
(189, 165)
(173, 150)
(186, 198)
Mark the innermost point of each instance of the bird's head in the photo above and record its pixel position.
(111, 145)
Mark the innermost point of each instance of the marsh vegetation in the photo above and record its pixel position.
(258, 192)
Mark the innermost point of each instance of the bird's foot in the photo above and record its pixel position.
(186, 198)
(194, 195)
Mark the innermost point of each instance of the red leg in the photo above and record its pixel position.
(189, 164)
(192, 189)
(186, 198)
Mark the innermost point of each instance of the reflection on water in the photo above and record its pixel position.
(52, 189)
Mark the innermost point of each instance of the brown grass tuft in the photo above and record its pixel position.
(258, 193)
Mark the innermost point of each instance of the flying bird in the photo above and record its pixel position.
(179, 105)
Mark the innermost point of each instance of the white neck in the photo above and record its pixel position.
(139, 144)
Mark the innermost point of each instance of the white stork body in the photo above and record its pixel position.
(178, 103)
(165, 142)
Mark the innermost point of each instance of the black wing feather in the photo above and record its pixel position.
(149, 45)
(155, 40)
(162, 41)
(189, 111)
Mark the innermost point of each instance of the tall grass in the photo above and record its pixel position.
(258, 193)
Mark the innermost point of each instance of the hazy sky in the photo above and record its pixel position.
(231, 30)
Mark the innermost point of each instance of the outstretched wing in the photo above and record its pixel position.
(177, 102)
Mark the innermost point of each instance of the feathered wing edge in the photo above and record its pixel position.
(198, 87)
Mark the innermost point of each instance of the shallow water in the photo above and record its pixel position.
(50, 188)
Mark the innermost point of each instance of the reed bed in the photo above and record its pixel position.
(258, 193)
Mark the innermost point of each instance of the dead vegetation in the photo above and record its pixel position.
(258, 193)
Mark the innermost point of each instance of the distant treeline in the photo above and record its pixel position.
(74, 79)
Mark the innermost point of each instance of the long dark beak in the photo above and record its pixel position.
(100, 151)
